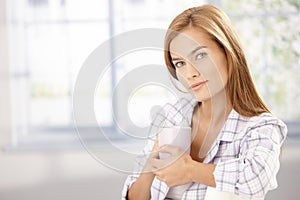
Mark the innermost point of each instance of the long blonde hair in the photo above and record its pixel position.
(216, 24)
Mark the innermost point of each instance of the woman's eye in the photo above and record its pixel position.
(200, 56)
(179, 64)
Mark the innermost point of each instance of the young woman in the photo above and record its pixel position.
(236, 141)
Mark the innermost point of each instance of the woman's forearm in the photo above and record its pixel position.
(140, 189)
(202, 173)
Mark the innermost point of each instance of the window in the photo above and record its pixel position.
(49, 42)
(50, 39)
(271, 40)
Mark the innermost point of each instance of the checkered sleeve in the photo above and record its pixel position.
(140, 161)
(253, 172)
(168, 115)
(159, 120)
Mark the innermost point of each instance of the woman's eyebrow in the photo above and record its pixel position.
(174, 59)
(192, 52)
(196, 49)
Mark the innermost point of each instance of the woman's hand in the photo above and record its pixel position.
(174, 170)
(154, 155)
(144, 181)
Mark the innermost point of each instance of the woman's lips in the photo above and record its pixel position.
(197, 86)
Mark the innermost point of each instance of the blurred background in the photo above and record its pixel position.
(43, 44)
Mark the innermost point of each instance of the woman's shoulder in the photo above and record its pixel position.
(263, 123)
(175, 112)
(263, 120)
(183, 105)
(178, 113)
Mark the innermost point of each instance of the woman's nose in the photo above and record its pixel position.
(191, 72)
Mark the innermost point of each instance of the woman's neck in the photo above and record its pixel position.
(215, 109)
(212, 116)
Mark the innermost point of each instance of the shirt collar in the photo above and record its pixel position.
(227, 133)
(229, 130)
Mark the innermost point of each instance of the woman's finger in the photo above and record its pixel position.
(170, 150)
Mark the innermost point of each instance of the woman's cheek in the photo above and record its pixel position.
(182, 79)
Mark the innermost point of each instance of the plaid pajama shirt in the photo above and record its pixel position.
(246, 153)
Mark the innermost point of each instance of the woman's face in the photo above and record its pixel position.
(201, 65)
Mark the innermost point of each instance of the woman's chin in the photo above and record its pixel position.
(201, 98)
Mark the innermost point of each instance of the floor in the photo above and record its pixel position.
(76, 175)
